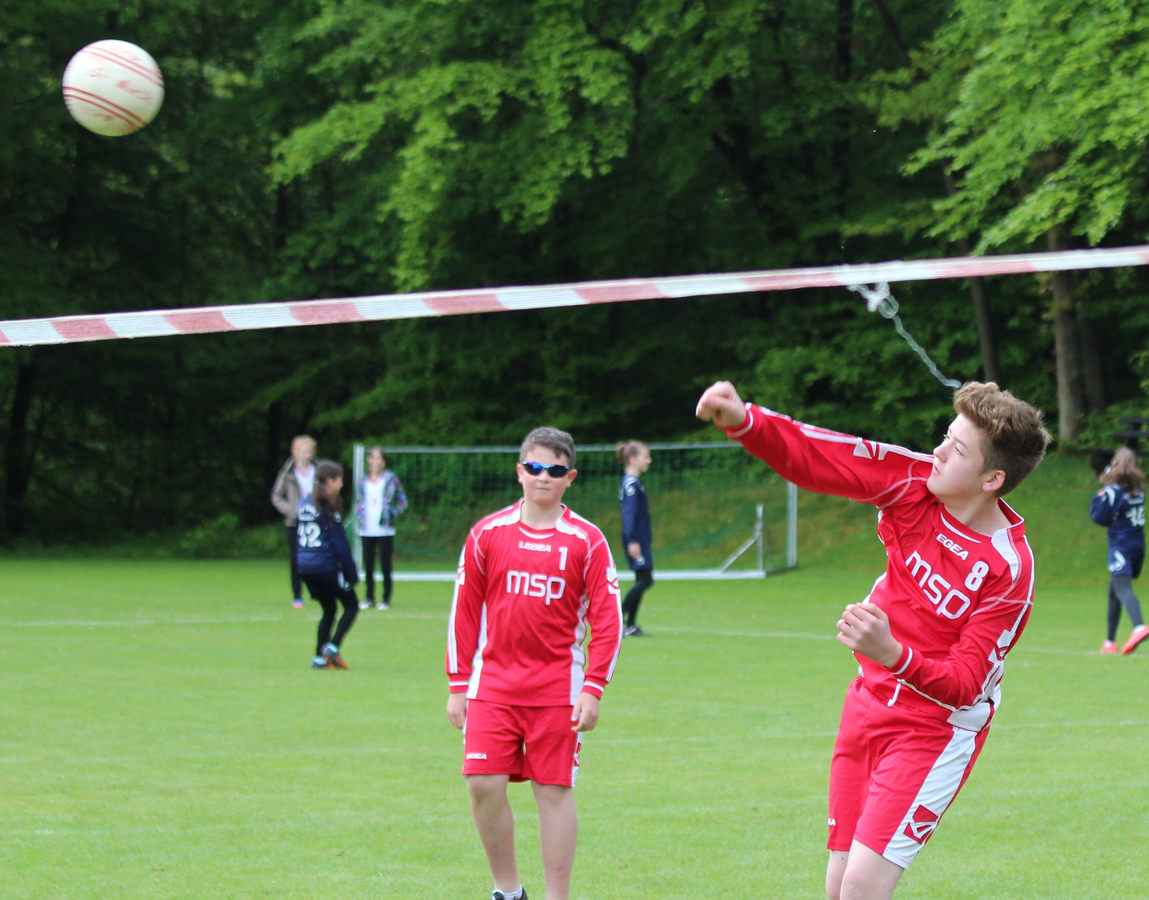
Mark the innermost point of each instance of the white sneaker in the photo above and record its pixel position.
(364, 604)
(382, 605)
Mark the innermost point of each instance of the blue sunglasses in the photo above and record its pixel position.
(555, 471)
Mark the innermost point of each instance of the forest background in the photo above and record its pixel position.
(311, 149)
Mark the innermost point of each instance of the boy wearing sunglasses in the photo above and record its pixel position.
(532, 578)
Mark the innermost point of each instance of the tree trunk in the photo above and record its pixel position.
(987, 343)
(990, 365)
(17, 455)
(1070, 396)
(1092, 370)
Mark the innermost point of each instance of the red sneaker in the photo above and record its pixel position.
(1140, 633)
(1109, 647)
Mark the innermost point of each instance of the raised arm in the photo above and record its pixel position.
(721, 405)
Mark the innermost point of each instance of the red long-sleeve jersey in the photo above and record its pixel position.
(957, 600)
(523, 602)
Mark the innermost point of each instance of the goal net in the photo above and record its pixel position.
(716, 511)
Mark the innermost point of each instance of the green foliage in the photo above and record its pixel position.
(317, 149)
(1039, 111)
(224, 538)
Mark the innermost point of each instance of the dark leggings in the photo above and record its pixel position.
(385, 545)
(293, 553)
(326, 590)
(643, 579)
(1121, 595)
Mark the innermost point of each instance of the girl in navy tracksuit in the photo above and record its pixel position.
(635, 458)
(325, 563)
(1120, 506)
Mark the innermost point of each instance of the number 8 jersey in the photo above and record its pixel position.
(523, 602)
(957, 600)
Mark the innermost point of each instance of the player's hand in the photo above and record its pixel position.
(865, 629)
(721, 405)
(457, 709)
(634, 550)
(584, 715)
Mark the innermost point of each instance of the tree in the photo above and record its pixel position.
(1045, 134)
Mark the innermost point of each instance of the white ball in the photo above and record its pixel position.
(113, 88)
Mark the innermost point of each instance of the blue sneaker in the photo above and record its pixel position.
(334, 660)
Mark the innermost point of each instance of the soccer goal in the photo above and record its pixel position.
(716, 511)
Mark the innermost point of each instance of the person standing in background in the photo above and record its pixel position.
(1120, 507)
(636, 538)
(325, 563)
(379, 499)
(533, 579)
(295, 481)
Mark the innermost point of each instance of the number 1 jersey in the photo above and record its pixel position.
(523, 604)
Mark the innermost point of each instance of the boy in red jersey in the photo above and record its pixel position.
(531, 579)
(932, 636)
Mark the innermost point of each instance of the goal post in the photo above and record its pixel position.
(716, 511)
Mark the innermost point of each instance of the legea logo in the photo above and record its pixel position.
(952, 547)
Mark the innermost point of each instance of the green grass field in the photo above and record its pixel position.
(164, 738)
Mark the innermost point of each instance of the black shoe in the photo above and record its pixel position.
(634, 631)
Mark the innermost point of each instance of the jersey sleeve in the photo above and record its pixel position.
(338, 538)
(1102, 507)
(398, 498)
(466, 610)
(604, 615)
(828, 462)
(628, 510)
(972, 667)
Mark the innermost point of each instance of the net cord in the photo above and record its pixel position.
(880, 300)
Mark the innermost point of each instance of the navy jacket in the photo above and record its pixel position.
(322, 543)
(1123, 513)
(635, 521)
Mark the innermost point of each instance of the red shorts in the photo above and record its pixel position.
(893, 774)
(528, 743)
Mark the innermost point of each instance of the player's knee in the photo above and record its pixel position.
(483, 788)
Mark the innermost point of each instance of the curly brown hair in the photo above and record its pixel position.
(1014, 438)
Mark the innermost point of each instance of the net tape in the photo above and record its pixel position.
(288, 314)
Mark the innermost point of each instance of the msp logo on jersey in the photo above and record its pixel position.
(922, 823)
(536, 585)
